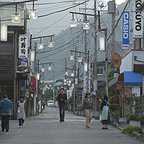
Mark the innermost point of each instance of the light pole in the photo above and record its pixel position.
(86, 66)
(36, 64)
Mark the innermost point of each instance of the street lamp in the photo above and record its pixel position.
(85, 67)
(50, 68)
(32, 56)
(102, 43)
(33, 14)
(80, 59)
(86, 25)
(66, 73)
(38, 76)
(41, 46)
(73, 22)
(42, 70)
(51, 43)
(71, 58)
(3, 32)
(72, 74)
(16, 18)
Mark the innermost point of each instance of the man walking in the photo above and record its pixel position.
(62, 99)
(5, 109)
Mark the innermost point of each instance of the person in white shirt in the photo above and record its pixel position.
(21, 112)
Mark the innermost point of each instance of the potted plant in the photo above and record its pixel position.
(134, 120)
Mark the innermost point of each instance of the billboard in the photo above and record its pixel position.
(138, 20)
(125, 30)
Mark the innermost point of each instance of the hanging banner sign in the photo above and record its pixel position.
(125, 30)
(23, 54)
(23, 46)
(138, 20)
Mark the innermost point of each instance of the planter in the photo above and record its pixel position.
(135, 123)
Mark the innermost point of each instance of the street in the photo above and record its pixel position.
(46, 129)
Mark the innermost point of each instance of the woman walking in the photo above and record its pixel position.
(21, 112)
(104, 112)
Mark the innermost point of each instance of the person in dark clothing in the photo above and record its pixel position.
(62, 99)
(5, 111)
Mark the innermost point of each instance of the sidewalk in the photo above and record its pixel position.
(46, 129)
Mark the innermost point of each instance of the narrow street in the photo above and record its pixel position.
(46, 129)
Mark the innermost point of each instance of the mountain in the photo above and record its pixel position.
(71, 38)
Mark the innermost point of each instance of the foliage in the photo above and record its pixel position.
(141, 118)
(131, 130)
(136, 118)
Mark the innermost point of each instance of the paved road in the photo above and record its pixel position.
(46, 129)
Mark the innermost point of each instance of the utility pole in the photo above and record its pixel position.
(113, 25)
(95, 48)
(95, 85)
(85, 87)
(74, 95)
(106, 63)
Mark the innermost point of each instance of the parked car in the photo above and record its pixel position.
(51, 103)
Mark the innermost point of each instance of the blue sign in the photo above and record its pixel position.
(125, 29)
(23, 61)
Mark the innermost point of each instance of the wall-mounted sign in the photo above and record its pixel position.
(138, 20)
(125, 30)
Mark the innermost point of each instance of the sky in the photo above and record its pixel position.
(56, 23)
(120, 1)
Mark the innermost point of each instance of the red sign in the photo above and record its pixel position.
(33, 83)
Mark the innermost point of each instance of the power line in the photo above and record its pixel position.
(14, 3)
(79, 34)
(59, 11)
(54, 23)
(60, 47)
(53, 3)
(55, 12)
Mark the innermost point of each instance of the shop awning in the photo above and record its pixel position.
(132, 79)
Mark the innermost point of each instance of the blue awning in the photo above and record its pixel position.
(133, 79)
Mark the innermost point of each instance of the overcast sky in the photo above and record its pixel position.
(55, 23)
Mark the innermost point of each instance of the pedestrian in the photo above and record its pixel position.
(62, 100)
(21, 112)
(104, 112)
(6, 110)
(87, 105)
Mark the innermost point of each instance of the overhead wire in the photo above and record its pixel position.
(55, 12)
(59, 11)
(60, 48)
(54, 3)
(54, 23)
